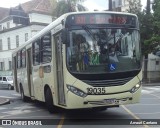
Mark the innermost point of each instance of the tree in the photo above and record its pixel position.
(134, 6)
(54, 6)
(62, 7)
(155, 39)
(146, 29)
(146, 35)
(65, 6)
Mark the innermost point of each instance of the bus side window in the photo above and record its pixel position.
(46, 48)
(24, 58)
(36, 52)
(19, 59)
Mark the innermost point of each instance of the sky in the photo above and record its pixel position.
(11, 3)
(91, 4)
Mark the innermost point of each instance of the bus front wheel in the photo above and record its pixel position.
(49, 100)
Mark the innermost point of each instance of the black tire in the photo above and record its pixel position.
(100, 109)
(49, 101)
(23, 97)
(9, 87)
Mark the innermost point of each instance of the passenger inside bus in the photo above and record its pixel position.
(81, 52)
(97, 49)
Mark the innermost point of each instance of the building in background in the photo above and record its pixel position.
(19, 24)
(123, 5)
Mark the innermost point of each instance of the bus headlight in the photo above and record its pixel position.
(135, 88)
(76, 91)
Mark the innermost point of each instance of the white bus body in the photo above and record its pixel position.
(44, 70)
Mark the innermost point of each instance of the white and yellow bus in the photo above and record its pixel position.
(82, 60)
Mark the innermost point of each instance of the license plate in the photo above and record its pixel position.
(110, 101)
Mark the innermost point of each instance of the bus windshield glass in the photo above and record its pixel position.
(103, 50)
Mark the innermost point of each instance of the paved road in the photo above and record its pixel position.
(148, 108)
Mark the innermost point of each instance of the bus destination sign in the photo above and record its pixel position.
(118, 19)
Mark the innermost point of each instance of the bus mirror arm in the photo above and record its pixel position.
(64, 36)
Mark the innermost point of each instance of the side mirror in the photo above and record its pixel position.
(64, 36)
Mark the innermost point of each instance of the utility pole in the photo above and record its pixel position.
(110, 5)
(148, 11)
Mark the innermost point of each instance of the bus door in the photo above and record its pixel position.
(15, 73)
(29, 73)
(59, 68)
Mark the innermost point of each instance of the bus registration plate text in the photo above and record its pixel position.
(96, 91)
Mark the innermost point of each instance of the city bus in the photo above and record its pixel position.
(82, 60)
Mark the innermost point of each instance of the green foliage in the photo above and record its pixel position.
(64, 6)
(134, 6)
(146, 31)
(149, 24)
(53, 4)
(156, 14)
(153, 40)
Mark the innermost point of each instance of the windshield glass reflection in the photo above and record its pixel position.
(103, 50)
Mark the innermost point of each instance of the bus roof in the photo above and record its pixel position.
(58, 21)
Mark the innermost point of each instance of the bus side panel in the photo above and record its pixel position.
(16, 87)
(48, 80)
(24, 82)
(29, 80)
(59, 69)
(37, 82)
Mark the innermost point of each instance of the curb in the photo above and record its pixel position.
(4, 101)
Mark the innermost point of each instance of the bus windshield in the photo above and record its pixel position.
(103, 50)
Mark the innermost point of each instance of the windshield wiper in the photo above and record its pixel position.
(85, 27)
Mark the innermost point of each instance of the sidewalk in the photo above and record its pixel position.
(4, 101)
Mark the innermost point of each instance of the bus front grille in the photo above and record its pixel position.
(107, 83)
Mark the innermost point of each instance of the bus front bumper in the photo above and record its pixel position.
(91, 101)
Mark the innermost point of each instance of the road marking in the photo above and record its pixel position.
(155, 96)
(147, 113)
(141, 104)
(61, 122)
(133, 115)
